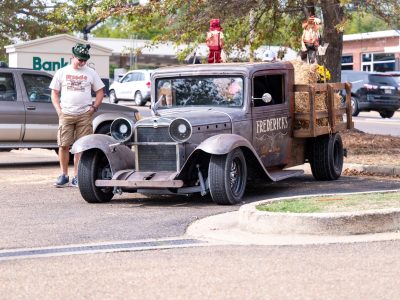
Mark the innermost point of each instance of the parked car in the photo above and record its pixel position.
(27, 116)
(373, 91)
(134, 85)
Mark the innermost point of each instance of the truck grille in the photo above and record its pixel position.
(158, 157)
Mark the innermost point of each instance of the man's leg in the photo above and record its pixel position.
(77, 157)
(63, 154)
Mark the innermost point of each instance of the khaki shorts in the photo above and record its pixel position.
(73, 127)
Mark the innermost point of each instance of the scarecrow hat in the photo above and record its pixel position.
(81, 51)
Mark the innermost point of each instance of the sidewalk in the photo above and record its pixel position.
(250, 226)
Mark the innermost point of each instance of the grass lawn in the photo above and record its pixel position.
(337, 203)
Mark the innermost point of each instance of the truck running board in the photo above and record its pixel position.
(278, 175)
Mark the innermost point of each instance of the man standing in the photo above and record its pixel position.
(75, 108)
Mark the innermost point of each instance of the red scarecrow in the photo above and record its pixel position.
(215, 42)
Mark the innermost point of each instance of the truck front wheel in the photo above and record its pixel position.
(326, 157)
(94, 165)
(227, 176)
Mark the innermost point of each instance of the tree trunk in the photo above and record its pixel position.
(333, 15)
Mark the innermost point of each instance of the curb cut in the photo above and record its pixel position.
(345, 223)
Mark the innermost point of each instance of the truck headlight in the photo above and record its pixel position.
(180, 130)
(121, 129)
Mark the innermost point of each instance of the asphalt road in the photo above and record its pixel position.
(372, 122)
(35, 214)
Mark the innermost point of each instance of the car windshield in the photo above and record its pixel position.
(382, 79)
(200, 91)
(396, 77)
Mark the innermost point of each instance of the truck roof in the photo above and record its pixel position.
(221, 68)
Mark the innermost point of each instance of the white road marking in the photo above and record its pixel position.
(106, 247)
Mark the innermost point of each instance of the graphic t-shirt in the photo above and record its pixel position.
(76, 88)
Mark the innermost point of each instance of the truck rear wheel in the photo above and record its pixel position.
(94, 165)
(227, 176)
(326, 158)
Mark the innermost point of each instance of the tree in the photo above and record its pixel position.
(23, 20)
(272, 21)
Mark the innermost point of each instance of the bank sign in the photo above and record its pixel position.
(44, 65)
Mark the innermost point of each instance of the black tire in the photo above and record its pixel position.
(139, 99)
(354, 106)
(227, 176)
(104, 129)
(386, 114)
(113, 97)
(327, 157)
(92, 166)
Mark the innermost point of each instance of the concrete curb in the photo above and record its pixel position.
(346, 223)
(374, 169)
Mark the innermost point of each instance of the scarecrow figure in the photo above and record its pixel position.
(215, 42)
(310, 39)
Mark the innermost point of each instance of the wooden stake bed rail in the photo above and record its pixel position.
(333, 114)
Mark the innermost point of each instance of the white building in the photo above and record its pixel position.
(54, 52)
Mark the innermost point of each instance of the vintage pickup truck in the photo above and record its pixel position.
(213, 129)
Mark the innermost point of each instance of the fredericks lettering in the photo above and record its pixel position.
(274, 124)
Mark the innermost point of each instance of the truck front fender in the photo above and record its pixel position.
(220, 145)
(119, 156)
(223, 144)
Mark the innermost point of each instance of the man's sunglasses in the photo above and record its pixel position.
(80, 60)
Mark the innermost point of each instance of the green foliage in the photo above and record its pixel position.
(23, 20)
(361, 22)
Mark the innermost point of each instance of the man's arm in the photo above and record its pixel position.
(99, 99)
(55, 99)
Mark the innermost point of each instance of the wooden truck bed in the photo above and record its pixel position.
(338, 118)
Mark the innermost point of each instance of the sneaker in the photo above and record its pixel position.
(62, 181)
(74, 181)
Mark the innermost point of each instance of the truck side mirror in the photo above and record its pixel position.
(266, 98)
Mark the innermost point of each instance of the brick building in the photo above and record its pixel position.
(372, 51)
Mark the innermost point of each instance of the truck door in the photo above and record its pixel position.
(12, 110)
(41, 117)
(272, 120)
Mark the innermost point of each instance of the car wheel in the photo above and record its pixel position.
(354, 106)
(227, 176)
(113, 97)
(326, 158)
(386, 114)
(92, 166)
(104, 129)
(139, 99)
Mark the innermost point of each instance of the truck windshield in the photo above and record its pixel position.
(200, 91)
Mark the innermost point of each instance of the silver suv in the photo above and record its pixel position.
(134, 85)
(27, 116)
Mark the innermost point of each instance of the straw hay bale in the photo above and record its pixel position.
(307, 74)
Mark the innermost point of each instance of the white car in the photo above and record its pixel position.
(134, 85)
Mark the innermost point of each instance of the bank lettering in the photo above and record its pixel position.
(273, 124)
(38, 64)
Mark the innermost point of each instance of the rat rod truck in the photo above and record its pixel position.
(213, 128)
